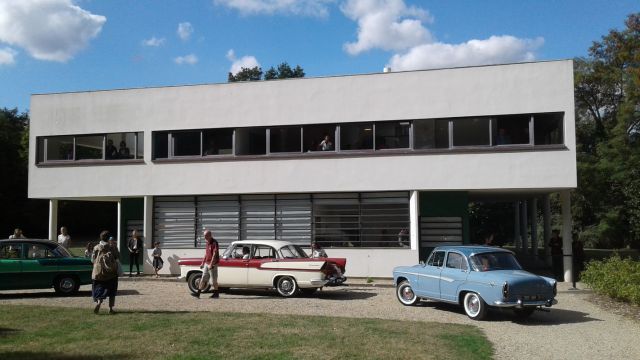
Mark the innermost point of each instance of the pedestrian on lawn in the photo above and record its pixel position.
(209, 266)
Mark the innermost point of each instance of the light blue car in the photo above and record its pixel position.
(476, 277)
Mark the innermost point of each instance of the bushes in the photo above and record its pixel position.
(614, 277)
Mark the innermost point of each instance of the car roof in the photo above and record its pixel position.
(273, 243)
(469, 250)
(30, 241)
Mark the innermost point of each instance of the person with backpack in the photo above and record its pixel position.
(105, 273)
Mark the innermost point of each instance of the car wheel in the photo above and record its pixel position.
(474, 306)
(524, 312)
(194, 282)
(286, 286)
(405, 294)
(66, 285)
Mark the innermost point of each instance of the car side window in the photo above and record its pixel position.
(37, 251)
(287, 253)
(10, 251)
(456, 261)
(264, 252)
(436, 259)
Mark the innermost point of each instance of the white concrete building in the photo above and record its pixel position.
(405, 152)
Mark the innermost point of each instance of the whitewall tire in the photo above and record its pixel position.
(405, 294)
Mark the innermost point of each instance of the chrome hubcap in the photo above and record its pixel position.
(286, 285)
(407, 293)
(66, 284)
(473, 304)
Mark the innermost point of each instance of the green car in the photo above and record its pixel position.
(41, 264)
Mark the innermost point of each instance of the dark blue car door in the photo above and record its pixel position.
(429, 282)
(454, 273)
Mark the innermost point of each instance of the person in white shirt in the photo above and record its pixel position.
(64, 239)
(17, 234)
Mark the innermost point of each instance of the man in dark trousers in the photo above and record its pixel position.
(555, 243)
(209, 266)
(135, 249)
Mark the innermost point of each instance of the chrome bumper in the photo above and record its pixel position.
(522, 304)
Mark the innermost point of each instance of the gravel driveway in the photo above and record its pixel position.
(573, 329)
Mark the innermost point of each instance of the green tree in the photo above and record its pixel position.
(606, 205)
(246, 74)
(283, 71)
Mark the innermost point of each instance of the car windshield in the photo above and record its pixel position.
(495, 261)
(293, 252)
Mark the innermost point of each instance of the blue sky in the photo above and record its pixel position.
(75, 45)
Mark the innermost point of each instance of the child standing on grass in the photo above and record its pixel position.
(157, 258)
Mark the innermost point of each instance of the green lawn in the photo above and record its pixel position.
(29, 332)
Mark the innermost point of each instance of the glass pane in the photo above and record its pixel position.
(285, 139)
(185, 143)
(511, 129)
(251, 141)
(40, 150)
(471, 132)
(60, 148)
(89, 147)
(218, 142)
(160, 145)
(392, 135)
(547, 128)
(119, 146)
(356, 137)
(319, 138)
(431, 134)
(140, 146)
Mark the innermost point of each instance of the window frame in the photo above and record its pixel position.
(42, 143)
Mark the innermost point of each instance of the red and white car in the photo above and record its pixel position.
(268, 264)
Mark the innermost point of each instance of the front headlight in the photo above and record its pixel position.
(505, 290)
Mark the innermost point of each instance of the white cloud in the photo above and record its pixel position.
(52, 30)
(190, 59)
(247, 62)
(314, 8)
(7, 56)
(153, 42)
(185, 29)
(386, 25)
(495, 50)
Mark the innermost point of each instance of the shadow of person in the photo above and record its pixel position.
(174, 268)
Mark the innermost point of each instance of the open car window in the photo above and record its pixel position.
(42, 251)
(264, 252)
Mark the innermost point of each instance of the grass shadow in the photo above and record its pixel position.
(4, 332)
(34, 355)
(52, 294)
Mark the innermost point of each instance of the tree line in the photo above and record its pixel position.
(605, 206)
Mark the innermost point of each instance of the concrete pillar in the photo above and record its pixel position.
(147, 232)
(567, 226)
(53, 219)
(524, 225)
(546, 223)
(119, 226)
(414, 219)
(516, 226)
(533, 207)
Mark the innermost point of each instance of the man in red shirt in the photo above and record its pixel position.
(209, 266)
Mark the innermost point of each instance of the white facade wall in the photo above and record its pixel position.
(473, 91)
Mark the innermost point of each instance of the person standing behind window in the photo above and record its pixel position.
(135, 248)
(123, 151)
(64, 239)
